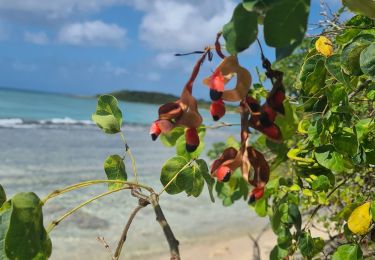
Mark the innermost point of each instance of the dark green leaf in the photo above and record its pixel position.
(372, 208)
(203, 169)
(114, 168)
(309, 65)
(330, 159)
(333, 65)
(315, 80)
(351, 53)
(22, 233)
(278, 253)
(336, 95)
(3, 196)
(348, 252)
(366, 7)
(367, 61)
(108, 116)
(284, 238)
(257, 5)
(170, 168)
(306, 245)
(241, 30)
(171, 137)
(287, 123)
(286, 22)
(345, 142)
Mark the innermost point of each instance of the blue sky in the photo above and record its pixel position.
(87, 47)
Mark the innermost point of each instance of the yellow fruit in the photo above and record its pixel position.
(360, 220)
(324, 46)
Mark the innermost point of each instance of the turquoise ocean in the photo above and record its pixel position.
(48, 141)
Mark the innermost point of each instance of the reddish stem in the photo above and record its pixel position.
(218, 46)
(194, 74)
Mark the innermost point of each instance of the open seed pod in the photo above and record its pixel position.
(223, 73)
(170, 111)
(276, 98)
(260, 166)
(226, 164)
(190, 117)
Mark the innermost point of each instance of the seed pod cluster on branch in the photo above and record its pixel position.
(184, 112)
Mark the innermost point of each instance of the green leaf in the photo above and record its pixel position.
(284, 238)
(337, 95)
(3, 196)
(22, 233)
(366, 7)
(257, 5)
(351, 54)
(284, 52)
(233, 190)
(108, 116)
(181, 145)
(345, 141)
(321, 183)
(287, 123)
(203, 169)
(330, 159)
(114, 168)
(170, 168)
(261, 207)
(333, 65)
(278, 253)
(169, 139)
(367, 61)
(348, 252)
(306, 245)
(286, 22)
(241, 30)
(315, 80)
(372, 209)
(191, 181)
(309, 66)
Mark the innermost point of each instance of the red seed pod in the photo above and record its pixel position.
(253, 104)
(256, 194)
(223, 174)
(266, 127)
(192, 139)
(276, 99)
(165, 125)
(217, 109)
(271, 114)
(154, 131)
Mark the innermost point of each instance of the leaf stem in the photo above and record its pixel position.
(128, 151)
(89, 183)
(54, 223)
(175, 176)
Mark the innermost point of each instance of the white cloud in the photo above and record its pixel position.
(36, 37)
(165, 59)
(183, 26)
(55, 9)
(153, 76)
(93, 33)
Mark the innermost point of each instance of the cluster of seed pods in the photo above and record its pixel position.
(261, 118)
(184, 112)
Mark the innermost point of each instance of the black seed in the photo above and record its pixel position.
(254, 107)
(215, 95)
(227, 176)
(215, 118)
(264, 120)
(251, 199)
(191, 148)
(154, 137)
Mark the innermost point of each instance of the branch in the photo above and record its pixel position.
(172, 241)
(141, 204)
(128, 151)
(361, 87)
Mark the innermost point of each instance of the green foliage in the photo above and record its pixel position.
(170, 139)
(108, 116)
(3, 196)
(241, 31)
(367, 61)
(114, 167)
(181, 145)
(22, 235)
(366, 7)
(348, 252)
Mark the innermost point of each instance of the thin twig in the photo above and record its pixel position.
(128, 151)
(106, 246)
(141, 204)
(54, 223)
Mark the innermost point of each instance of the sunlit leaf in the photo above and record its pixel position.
(114, 168)
(170, 168)
(108, 116)
(348, 252)
(367, 61)
(3, 196)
